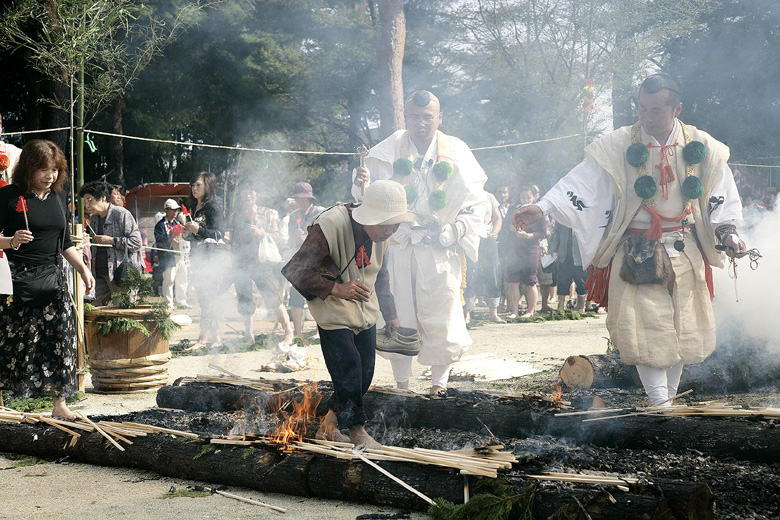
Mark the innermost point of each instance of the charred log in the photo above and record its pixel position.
(268, 469)
(259, 468)
(517, 417)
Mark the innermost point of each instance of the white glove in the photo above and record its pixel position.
(451, 233)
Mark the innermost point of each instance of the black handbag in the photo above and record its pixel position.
(37, 285)
(120, 271)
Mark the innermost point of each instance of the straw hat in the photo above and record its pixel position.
(384, 204)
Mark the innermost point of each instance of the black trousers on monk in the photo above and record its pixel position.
(350, 360)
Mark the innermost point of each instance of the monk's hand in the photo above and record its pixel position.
(353, 290)
(526, 216)
(735, 248)
(392, 326)
(362, 176)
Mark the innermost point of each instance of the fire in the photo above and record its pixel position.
(304, 413)
(557, 395)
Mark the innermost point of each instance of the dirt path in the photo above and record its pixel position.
(64, 491)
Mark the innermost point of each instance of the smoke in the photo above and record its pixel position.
(747, 302)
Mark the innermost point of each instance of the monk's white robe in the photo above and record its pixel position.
(648, 324)
(13, 154)
(426, 279)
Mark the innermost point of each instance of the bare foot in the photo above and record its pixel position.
(546, 309)
(359, 436)
(329, 429)
(62, 411)
(527, 315)
(437, 390)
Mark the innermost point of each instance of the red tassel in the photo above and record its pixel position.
(21, 206)
(5, 161)
(362, 258)
(597, 284)
(655, 232)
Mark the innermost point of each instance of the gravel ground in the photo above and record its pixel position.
(71, 490)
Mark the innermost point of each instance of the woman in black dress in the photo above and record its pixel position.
(205, 230)
(37, 347)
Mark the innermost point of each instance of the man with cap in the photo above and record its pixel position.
(167, 235)
(298, 229)
(444, 185)
(340, 269)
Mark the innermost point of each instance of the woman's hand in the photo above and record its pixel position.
(89, 280)
(353, 290)
(105, 240)
(524, 235)
(22, 236)
(191, 227)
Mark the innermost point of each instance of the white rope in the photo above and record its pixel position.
(148, 248)
(298, 152)
(756, 165)
(525, 143)
(38, 131)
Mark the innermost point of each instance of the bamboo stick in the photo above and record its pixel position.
(220, 369)
(393, 477)
(60, 427)
(100, 431)
(158, 429)
(250, 501)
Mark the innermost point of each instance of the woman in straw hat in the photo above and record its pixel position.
(340, 270)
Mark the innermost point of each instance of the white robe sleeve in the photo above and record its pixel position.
(584, 200)
(724, 204)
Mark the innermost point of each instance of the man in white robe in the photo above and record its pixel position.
(658, 327)
(9, 154)
(424, 259)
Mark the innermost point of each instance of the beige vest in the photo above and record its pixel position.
(610, 153)
(336, 313)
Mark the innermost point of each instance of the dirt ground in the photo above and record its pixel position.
(71, 490)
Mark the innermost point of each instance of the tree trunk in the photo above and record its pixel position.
(622, 104)
(390, 66)
(117, 156)
(265, 468)
(508, 417)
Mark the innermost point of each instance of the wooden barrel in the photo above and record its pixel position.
(125, 362)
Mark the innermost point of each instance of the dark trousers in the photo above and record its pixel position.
(350, 360)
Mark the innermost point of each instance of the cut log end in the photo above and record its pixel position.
(577, 372)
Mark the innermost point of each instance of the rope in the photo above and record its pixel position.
(39, 131)
(756, 165)
(524, 143)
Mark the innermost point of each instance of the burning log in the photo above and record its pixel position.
(269, 469)
(525, 416)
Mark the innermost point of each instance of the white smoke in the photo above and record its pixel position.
(751, 305)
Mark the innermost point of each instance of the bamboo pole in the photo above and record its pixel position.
(100, 431)
(393, 477)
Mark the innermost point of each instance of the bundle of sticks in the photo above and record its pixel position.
(703, 408)
(113, 432)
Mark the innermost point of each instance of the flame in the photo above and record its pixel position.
(293, 428)
(557, 395)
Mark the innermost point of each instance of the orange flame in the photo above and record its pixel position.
(304, 413)
(557, 395)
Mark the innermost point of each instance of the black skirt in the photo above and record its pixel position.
(37, 348)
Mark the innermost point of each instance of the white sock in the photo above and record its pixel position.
(402, 368)
(440, 375)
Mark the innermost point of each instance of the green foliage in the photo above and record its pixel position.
(248, 453)
(23, 461)
(497, 501)
(692, 188)
(36, 474)
(437, 200)
(694, 152)
(645, 186)
(207, 448)
(403, 167)
(637, 154)
(139, 287)
(122, 325)
(88, 307)
(37, 404)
